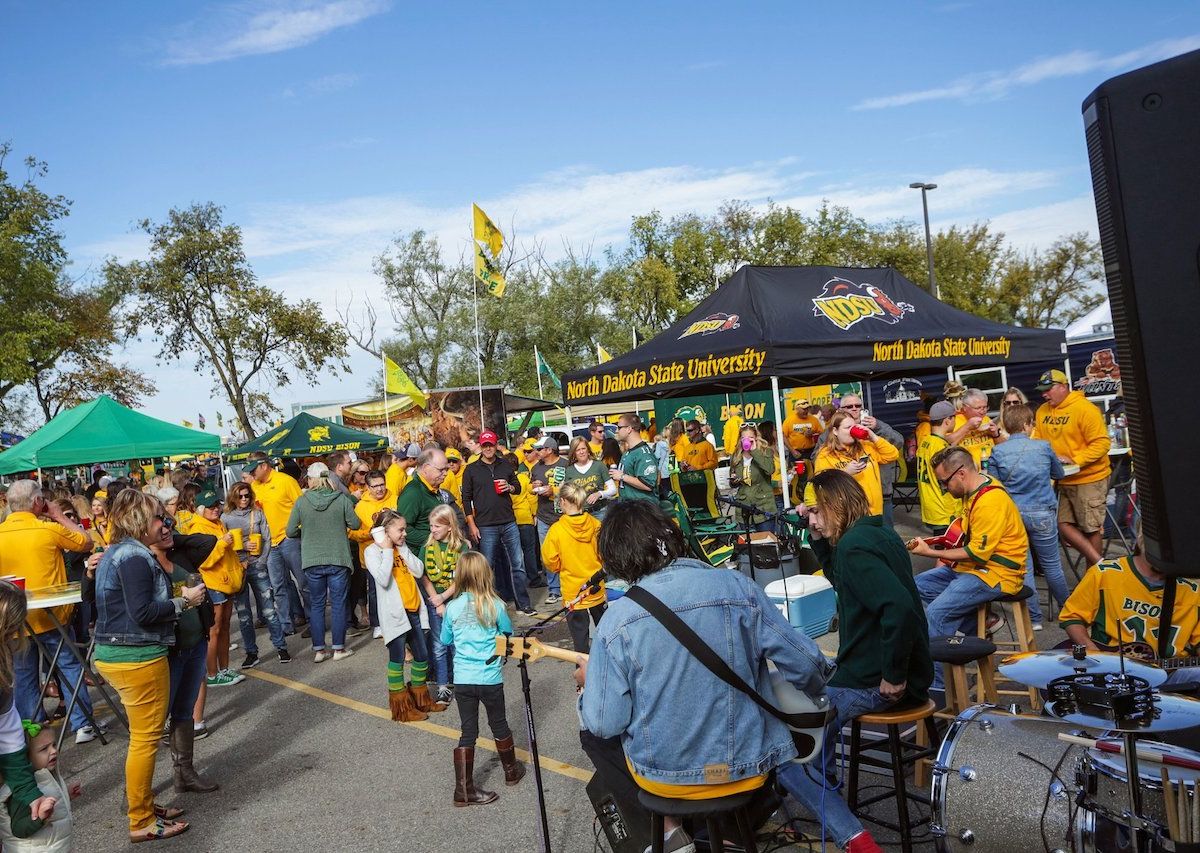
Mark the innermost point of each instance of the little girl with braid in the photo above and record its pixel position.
(395, 569)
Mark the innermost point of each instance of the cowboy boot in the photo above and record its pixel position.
(423, 701)
(465, 792)
(514, 771)
(182, 743)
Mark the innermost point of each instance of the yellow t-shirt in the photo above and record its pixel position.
(938, 507)
(996, 539)
(396, 478)
(878, 453)
(801, 433)
(596, 447)
(700, 455)
(277, 495)
(406, 584)
(31, 548)
(1075, 429)
(730, 433)
(453, 484)
(924, 428)
(1114, 590)
(978, 444)
(697, 792)
(525, 503)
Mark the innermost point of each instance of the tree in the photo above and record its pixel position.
(77, 381)
(205, 302)
(1062, 283)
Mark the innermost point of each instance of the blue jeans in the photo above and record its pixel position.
(258, 579)
(815, 785)
(288, 583)
(531, 547)
(28, 686)
(553, 582)
(1042, 528)
(492, 538)
(187, 674)
(887, 512)
(332, 583)
(950, 600)
(443, 672)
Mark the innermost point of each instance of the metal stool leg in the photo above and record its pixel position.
(656, 833)
(855, 747)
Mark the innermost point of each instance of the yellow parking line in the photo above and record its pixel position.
(551, 764)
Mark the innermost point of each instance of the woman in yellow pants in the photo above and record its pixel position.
(136, 616)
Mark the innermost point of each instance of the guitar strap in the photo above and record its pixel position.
(1165, 617)
(700, 650)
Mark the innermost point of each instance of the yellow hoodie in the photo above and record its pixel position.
(879, 453)
(525, 503)
(365, 509)
(221, 570)
(1075, 429)
(570, 551)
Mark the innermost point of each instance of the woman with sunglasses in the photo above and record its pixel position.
(1012, 397)
(860, 457)
(136, 617)
(358, 479)
(242, 514)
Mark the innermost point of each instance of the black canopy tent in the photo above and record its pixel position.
(806, 325)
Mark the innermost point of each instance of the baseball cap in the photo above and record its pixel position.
(105, 482)
(802, 402)
(451, 453)
(547, 441)
(1051, 377)
(528, 445)
(413, 450)
(488, 437)
(318, 469)
(254, 461)
(207, 498)
(941, 410)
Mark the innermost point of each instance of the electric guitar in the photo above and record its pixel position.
(1144, 653)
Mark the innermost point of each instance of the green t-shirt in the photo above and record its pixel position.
(592, 479)
(129, 654)
(640, 462)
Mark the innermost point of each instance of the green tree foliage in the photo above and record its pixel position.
(197, 296)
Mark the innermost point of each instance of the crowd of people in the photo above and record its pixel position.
(434, 552)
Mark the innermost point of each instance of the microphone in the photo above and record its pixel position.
(590, 587)
(595, 580)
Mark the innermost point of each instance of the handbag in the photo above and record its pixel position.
(808, 719)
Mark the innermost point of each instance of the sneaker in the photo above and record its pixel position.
(200, 730)
(342, 654)
(994, 623)
(528, 611)
(285, 656)
(250, 662)
(306, 633)
(321, 656)
(676, 841)
(1037, 626)
(553, 599)
(863, 843)
(353, 630)
(377, 634)
(224, 678)
(87, 734)
(236, 678)
(233, 647)
(445, 694)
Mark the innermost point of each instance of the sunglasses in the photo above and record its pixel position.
(852, 405)
(1012, 402)
(168, 521)
(944, 482)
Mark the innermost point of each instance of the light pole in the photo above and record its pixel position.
(924, 188)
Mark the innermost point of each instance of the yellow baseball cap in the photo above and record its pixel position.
(1050, 378)
(451, 453)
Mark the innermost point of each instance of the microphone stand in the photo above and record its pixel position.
(530, 728)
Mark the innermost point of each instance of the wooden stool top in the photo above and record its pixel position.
(901, 715)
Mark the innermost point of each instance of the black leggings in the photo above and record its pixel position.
(577, 624)
(468, 697)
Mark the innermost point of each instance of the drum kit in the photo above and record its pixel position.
(1080, 778)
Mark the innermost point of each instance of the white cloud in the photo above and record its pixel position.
(996, 84)
(1038, 227)
(264, 26)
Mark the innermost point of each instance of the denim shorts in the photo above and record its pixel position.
(218, 597)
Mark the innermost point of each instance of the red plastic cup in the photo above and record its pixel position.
(499, 486)
(87, 523)
(859, 433)
(800, 469)
(16, 581)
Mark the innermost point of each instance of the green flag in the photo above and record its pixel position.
(544, 370)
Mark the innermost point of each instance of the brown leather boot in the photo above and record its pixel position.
(514, 771)
(465, 792)
(402, 707)
(422, 699)
(183, 739)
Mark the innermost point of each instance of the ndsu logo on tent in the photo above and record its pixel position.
(845, 303)
(710, 324)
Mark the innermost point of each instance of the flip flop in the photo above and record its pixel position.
(167, 812)
(158, 831)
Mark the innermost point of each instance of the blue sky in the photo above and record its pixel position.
(327, 126)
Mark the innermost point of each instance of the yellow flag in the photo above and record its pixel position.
(486, 272)
(486, 231)
(603, 354)
(397, 382)
(187, 424)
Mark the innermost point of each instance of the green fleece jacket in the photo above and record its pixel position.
(881, 623)
(321, 518)
(415, 503)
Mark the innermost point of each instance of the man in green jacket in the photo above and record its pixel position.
(420, 495)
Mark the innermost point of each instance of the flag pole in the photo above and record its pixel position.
(478, 346)
(637, 410)
(387, 423)
(537, 368)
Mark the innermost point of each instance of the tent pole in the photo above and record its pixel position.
(870, 402)
(567, 412)
(787, 496)
(1067, 368)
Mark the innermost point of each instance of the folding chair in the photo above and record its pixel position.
(697, 494)
(716, 550)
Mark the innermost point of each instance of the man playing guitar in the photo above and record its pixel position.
(1130, 590)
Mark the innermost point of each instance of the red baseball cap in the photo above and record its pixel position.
(488, 437)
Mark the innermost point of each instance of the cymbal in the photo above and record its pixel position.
(1173, 713)
(1038, 669)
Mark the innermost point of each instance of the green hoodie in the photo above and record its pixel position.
(321, 518)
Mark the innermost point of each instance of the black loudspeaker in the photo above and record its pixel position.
(1143, 139)
(626, 825)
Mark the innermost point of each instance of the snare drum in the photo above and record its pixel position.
(990, 795)
(1104, 778)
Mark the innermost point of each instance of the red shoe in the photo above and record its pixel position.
(863, 843)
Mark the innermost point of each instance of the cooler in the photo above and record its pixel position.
(807, 602)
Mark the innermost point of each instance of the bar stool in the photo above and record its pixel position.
(955, 654)
(898, 762)
(710, 811)
(1022, 630)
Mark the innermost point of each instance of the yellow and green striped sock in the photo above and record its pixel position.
(395, 676)
(420, 669)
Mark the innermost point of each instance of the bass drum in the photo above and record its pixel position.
(1004, 782)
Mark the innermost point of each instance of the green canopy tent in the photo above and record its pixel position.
(308, 435)
(103, 431)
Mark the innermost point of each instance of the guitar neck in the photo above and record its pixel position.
(561, 654)
(1172, 664)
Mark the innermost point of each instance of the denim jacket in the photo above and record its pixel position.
(1026, 467)
(133, 598)
(679, 724)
